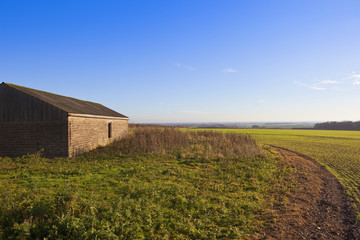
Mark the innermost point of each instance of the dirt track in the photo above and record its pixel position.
(317, 209)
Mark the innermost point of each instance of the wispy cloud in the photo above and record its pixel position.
(356, 82)
(229, 70)
(355, 79)
(313, 87)
(329, 82)
(181, 65)
(336, 88)
(317, 88)
(260, 101)
(334, 85)
(320, 85)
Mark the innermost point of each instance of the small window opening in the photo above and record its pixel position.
(109, 130)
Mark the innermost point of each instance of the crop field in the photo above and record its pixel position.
(154, 184)
(339, 151)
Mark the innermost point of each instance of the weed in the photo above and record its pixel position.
(157, 183)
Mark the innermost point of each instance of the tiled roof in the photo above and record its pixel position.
(68, 104)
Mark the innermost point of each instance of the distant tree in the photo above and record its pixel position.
(255, 126)
(345, 125)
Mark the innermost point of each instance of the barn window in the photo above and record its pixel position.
(109, 130)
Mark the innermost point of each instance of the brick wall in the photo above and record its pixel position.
(86, 134)
(23, 137)
(58, 138)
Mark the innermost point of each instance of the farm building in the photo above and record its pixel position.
(33, 121)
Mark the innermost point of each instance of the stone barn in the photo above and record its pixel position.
(33, 121)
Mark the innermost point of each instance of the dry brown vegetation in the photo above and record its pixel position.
(206, 145)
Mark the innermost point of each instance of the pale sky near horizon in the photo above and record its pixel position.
(190, 61)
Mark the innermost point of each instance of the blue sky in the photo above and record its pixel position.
(190, 61)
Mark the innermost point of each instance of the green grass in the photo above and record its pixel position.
(339, 151)
(145, 188)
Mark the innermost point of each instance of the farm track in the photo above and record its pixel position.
(317, 209)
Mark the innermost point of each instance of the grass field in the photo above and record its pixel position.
(154, 184)
(339, 151)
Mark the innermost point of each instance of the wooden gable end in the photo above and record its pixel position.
(16, 105)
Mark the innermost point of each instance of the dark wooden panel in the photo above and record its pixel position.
(68, 104)
(18, 106)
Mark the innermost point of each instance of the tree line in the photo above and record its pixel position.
(345, 125)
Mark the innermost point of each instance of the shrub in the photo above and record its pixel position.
(206, 145)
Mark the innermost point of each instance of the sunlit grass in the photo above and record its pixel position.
(155, 184)
(339, 151)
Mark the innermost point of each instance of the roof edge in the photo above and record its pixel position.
(21, 89)
(96, 116)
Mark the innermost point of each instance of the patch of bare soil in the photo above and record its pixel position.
(317, 209)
